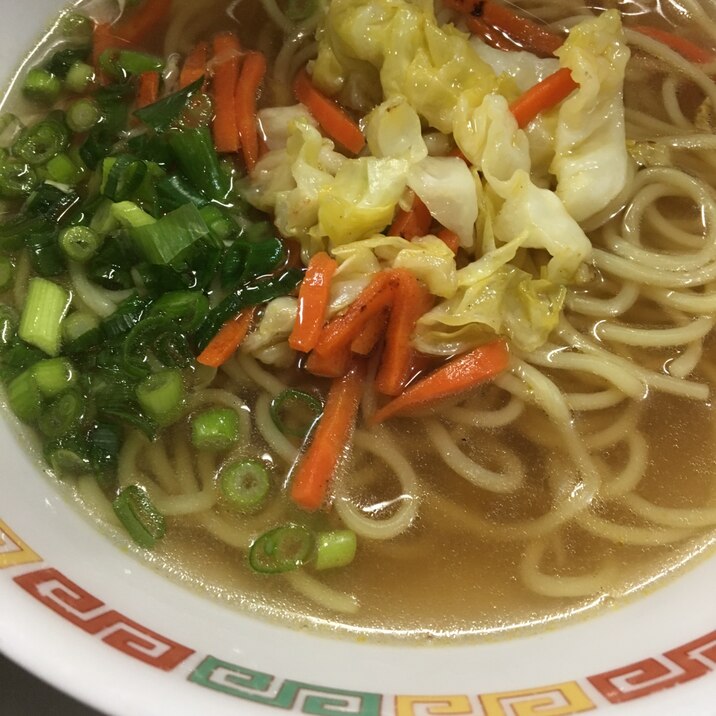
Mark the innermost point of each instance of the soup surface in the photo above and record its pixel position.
(497, 415)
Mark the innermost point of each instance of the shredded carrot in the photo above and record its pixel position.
(333, 119)
(312, 302)
(334, 365)
(411, 301)
(227, 55)
(450, 238)
(252, 75)
(543, 96)
(194, 65)
(687, 49)
(372, 332)
(455, 377)
(145, 22)
(489, 35)
(344, 329)
(520, 31)
(317, 467)
(148, 90)
(413, 223)
(230, 336)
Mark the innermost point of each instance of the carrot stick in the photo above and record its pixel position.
(450, 238)
(334, 365)
(687, 49)
(317, 467)
(373, 299)
(148, 91)
(411, 301)
(332, 118)
(194, 65)
(522, 32)
(313, 297)
(456, 376)
(489, 35)
(227, 53)
(413, 223)
(543, 96)
(230, 336)
(372, 332)
(144, 22)
(252, 75)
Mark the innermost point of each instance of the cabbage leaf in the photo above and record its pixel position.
(591, 161)
(397, 46)
(268, 342)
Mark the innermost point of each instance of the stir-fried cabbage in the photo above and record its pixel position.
(370, 50)
(268, 342)
(591, 161)
(413, 78)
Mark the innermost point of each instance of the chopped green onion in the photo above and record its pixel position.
(105, 221)
(221, 225)
(59, 64)
(63, 170)
(131, 216)
(66, 459)
(122, 176)
(37, 144)
(41, 86)
(7, 273)
(8, 326)
(161, 396)
(282, 549)
(187, 308)
(45, 254)
(128, 313)
(295, 412)
(335, 549)
(173, 192)
(244, 485)
(215, 429)
(120, 63)
(80, 332)
(17, 178)
(16, 358)
(53, 376)
(79, 77)
(76, 26)
(168, 240)
(82, 115)
(145, 524)
(24, 397)
(63, 415)
(199, 162)
(161, 114)
(79, 243)
(42, 314)
(105, 441)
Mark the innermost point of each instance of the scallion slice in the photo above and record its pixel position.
(282, 549)
(8, 326)
(63, 415)
(187, 308)
(41, 86)
(245, 485)
(161, 396)
(79, 77)
(145, 524)
(37, 144)
(336, 548)
(53, 376)
(82, 115)
(79, 243)
(17, 178)
(215, 429)
(122, 176)
(295, 412)
(45, 307)
(24, 397)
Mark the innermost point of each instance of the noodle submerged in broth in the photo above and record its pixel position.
(540, 296)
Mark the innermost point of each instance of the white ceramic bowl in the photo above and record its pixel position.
(89, 618)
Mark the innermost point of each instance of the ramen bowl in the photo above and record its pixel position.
(81, 611)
